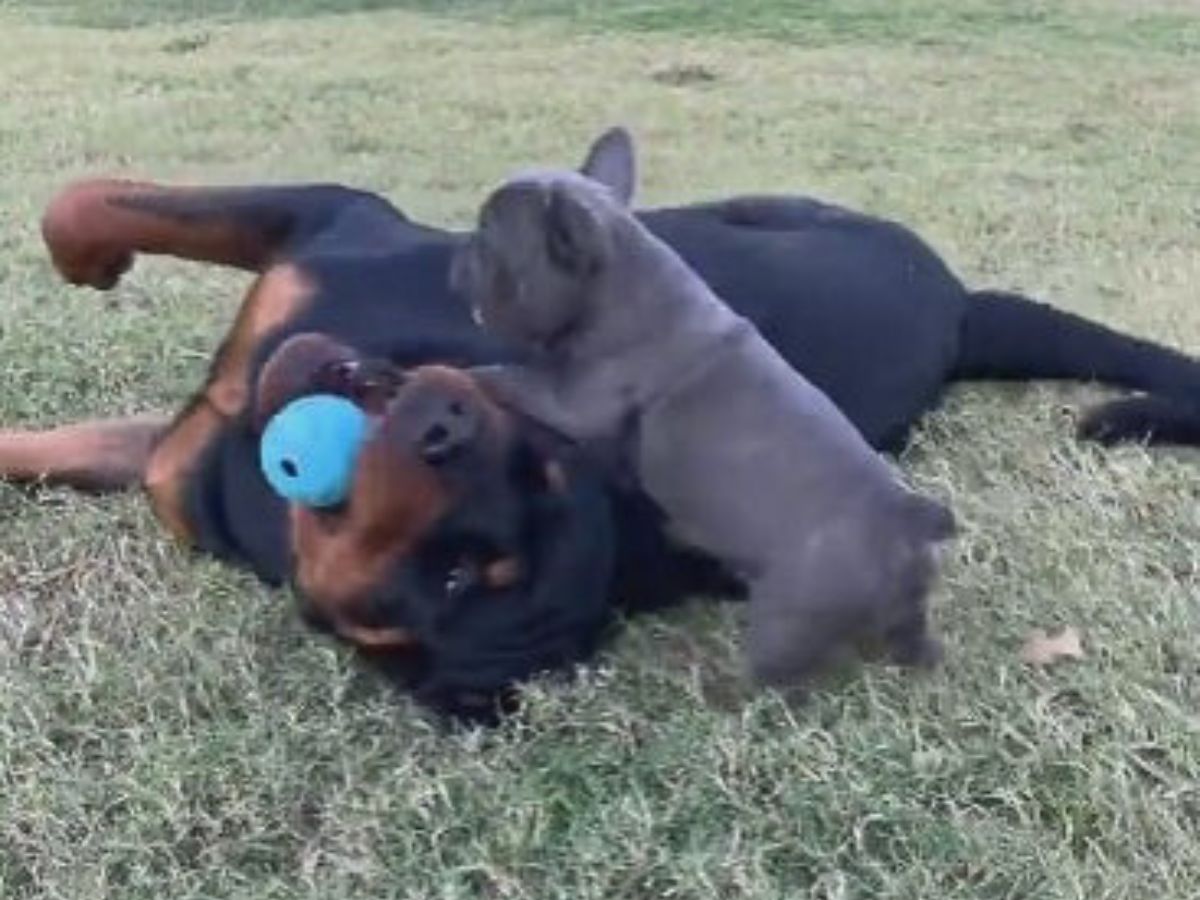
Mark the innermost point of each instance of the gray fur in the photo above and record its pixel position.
(748, 460)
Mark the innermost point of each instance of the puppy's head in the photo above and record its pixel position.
(461, 546)
(543, 242)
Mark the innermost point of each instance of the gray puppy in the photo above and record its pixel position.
(634, 354)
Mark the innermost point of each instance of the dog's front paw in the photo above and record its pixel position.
(98, 267)
(77, 229)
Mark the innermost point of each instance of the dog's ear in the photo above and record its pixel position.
(575, 238)
(612, 161)
(294, 369)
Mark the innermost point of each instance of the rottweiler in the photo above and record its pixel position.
(861, 306)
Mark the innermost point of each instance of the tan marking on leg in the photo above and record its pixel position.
(98, 456)
(276, 297)
(93, 237)
(174, 462)
(281, 294)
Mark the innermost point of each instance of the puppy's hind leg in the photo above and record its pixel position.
(792, 636)
(911, 643)
(905, 628)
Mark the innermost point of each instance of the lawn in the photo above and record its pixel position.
(169, 730)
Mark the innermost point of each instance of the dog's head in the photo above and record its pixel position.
(461, 544)
(544, 241)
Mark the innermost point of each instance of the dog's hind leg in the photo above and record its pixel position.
(1007, 336)
(104, 455)
(1155, 420)
(94, 229)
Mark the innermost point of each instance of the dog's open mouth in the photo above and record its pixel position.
(426, 418)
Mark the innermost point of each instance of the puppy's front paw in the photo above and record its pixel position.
(917, 651)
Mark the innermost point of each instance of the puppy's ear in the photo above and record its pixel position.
(575, 239)
(612, 161)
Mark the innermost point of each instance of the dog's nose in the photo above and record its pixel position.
(431, 421)
(447, 431)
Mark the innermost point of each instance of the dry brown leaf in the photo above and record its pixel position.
(1042, 649)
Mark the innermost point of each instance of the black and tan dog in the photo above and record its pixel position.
(860, 306)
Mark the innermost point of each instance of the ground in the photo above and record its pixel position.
(168, 729)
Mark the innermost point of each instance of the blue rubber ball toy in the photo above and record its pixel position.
(310, 447)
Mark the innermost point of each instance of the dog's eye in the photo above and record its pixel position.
(461, 578)
(338, 377)
(343, 375)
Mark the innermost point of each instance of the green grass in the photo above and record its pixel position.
(168, 730)
(1130, 25)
